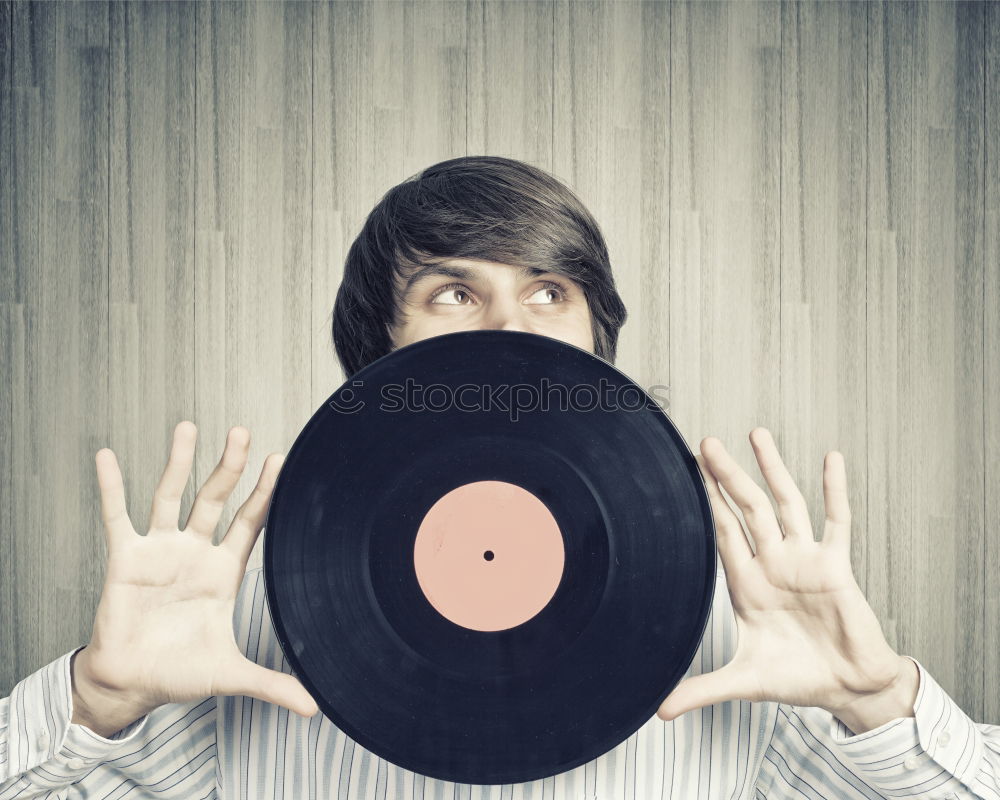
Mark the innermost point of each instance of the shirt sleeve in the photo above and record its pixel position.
(937, 753)
(169, 753)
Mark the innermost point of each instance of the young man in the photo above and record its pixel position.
(183, 691)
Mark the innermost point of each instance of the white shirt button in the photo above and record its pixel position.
(43, 739)
(76, 763)
(911, 763)
(943, 738)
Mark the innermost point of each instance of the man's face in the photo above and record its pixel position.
(468, 294)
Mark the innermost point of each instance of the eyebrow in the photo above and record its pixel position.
(461, 273)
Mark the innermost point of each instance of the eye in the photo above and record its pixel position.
(454, 294)
(550, 292)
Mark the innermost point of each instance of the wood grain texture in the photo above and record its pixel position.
(11, 353)
(149, 368)
(991, 362)
(725, 195)
(801, 201)
(925, 329)
(56, 317)
(823, 168)
(252, 190)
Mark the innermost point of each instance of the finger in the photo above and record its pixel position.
(208, 504)
(837, 530)
(167, 497)
(792, 508)
(249, 519)
(730, 538)
(114, 512)
(270, 686)
(751, 499)
(727, 683)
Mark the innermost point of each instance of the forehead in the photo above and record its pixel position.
(464, 269)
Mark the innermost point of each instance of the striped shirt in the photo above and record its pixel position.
(241, 748)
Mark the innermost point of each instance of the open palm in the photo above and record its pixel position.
(163, 632)
(806, 634)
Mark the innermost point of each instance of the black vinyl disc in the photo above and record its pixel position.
(489, 557)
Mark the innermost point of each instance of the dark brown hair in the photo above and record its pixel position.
(476, 207)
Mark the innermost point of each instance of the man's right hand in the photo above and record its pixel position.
(164, 626)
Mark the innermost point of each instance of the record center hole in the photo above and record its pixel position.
(488, 555)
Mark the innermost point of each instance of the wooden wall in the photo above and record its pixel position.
(802, 203)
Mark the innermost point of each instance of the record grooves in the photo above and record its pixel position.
(482, 594)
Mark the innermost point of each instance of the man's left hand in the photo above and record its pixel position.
(806, 634)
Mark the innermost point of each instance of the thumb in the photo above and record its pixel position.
(703, 690)
(272, 686)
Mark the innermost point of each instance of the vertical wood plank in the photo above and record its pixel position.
(654, 267)
(822, 291)
(55, 314)
(344, 152)
(602, 59)
(434, 81)
(959, 96)
(991, 363)
(8, 353)
(8, 274)
(151, 364)
(724, 222)
(510, 87)
(925, 340)
(253, 236)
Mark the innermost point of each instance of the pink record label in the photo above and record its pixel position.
(489, 555)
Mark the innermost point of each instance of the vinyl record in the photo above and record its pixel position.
(489, 557)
